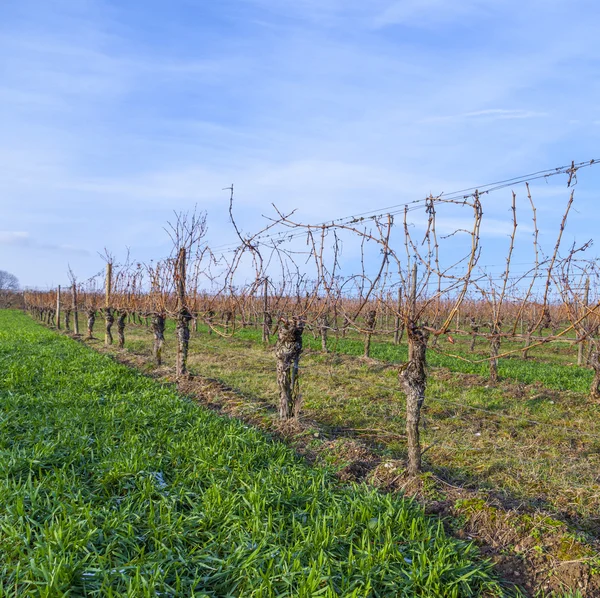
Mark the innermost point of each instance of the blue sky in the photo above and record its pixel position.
(114, 113)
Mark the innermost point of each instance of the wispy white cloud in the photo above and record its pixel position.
(423, 13)
(115, 115)
(24, 239)
(8, 237)
(488, 114)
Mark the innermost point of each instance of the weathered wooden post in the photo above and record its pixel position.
(108, 315)
(398, 329)
(75, 313)
(58, 307)
(267, 320)
(183, 315)
(582, 342)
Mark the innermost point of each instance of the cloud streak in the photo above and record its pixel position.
(488, 115)
(114, 116)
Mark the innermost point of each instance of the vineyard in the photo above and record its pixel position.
(384, 346)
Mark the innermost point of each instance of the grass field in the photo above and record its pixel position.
(531, 439)
(551, 365)
(114, 485)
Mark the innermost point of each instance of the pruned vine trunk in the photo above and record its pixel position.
(183, 340)
(525, 351)
(413, 380)
(288, 350)
(109, 320)
(494, 351)
(158, 329)
(398, 330)
(122, 315)
(323, 328)
(267, 325)
(595, 363)
(474, 331)
(227, 319)
(91, 320)
(370, 319)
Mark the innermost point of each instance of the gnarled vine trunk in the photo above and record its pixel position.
(183, 340)
(227, 319)
(494, 351)
(595, 363)
(288, 350)
(525, 351)
(210, 314)
(158, 329)
(267, 326)
(109, 320)
(91, 314)
(370, 319)
(413, 380)
(323, 323)
(474, 331)
(122, 315)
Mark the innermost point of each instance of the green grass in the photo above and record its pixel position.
(113, 485)
(548, 365)
(528, 443)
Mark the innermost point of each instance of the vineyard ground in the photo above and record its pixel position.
(115, 485)
(526, 490)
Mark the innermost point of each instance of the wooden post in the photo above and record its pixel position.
(387, 312)
(398, 320)
(183, 315)
(108, 285)
(58, 307)
(181, 272)
(582, 342)
(522, 325)
(75, 314)
(266, 331)
(413, 293)
(107, 311)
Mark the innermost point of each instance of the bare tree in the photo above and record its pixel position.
(8, 281)
(9, 285)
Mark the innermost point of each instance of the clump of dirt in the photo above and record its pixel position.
(533, 551)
